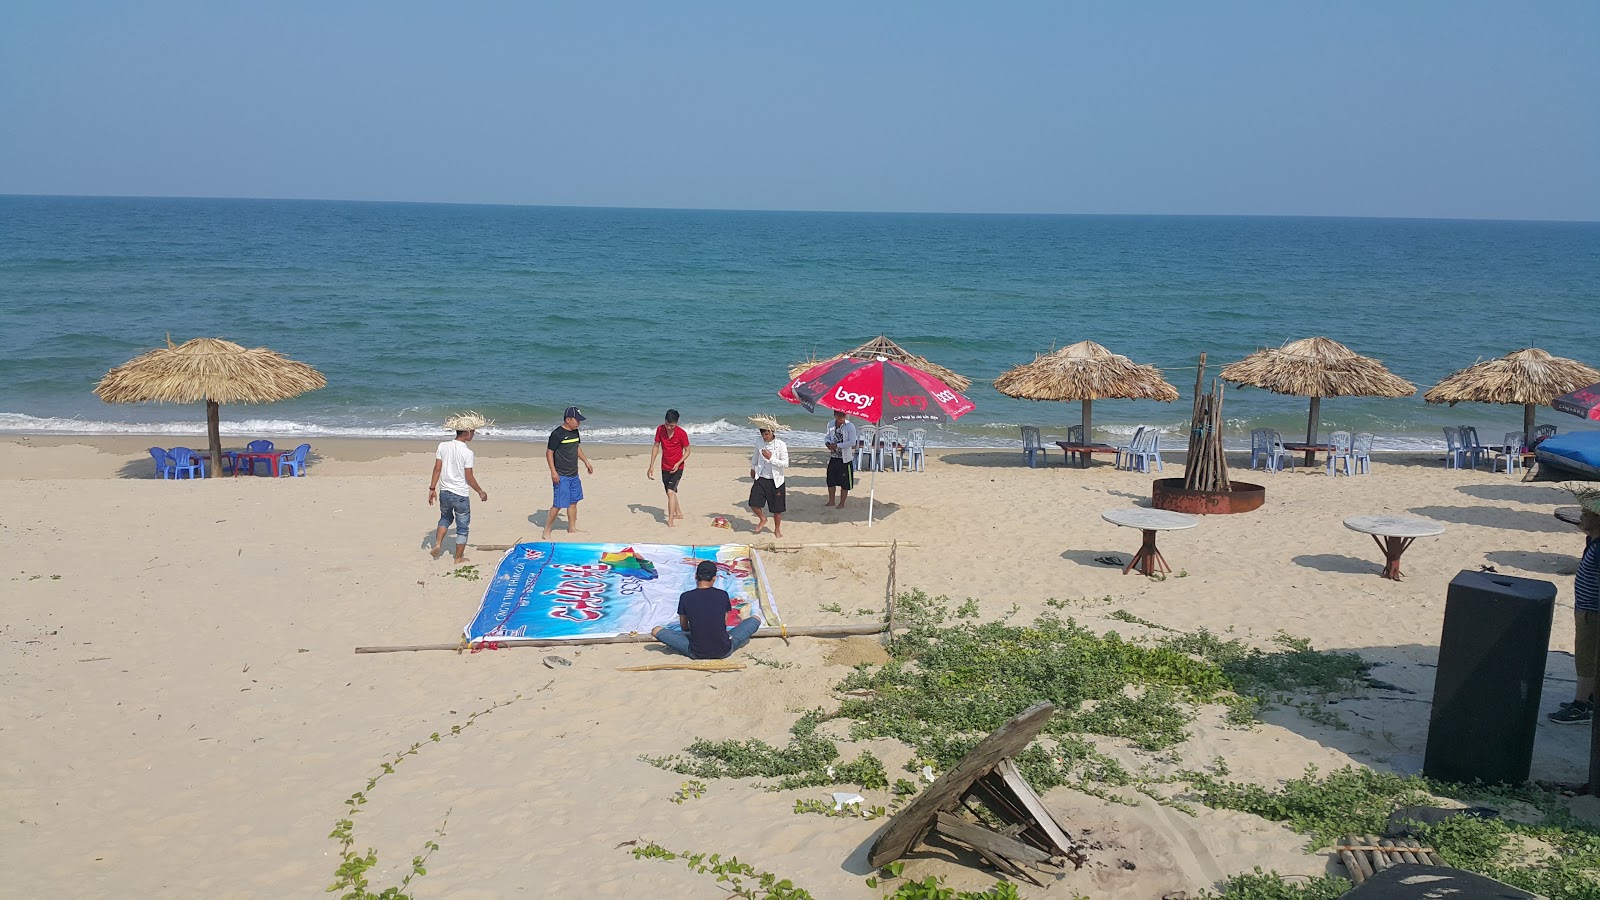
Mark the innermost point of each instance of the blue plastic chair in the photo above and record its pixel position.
(1266, 448)
(1454, 456)
(1361, 451)
(259, 446)
(1033, 447)
(295, 462)
(1125, 451)
(1340, 454)
(1470, 445)
(1145, 449)
(163, 462)
(185, 460)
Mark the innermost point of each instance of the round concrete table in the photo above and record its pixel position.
(1149, 521)
(1393, 535)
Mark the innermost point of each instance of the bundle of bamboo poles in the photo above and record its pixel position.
(1206, 468)
(1366, 855)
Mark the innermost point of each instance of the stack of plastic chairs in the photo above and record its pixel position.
(916, 455)
(1143, 450)
(1454, 456)
(1125, 451)
(295, 462)
(888, 443)
(866, 452)
(1340, 454)
(1361, 451)
(1470, 445)
(1032, 446)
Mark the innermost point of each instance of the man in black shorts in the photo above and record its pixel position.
(841, 443)
(768, 462)
(672, 445)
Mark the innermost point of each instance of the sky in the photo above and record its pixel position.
(1392, 108)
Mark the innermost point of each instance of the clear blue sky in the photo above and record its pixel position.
(1430, 108)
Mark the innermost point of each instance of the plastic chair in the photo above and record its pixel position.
(259, 446)
(1472, 446)
(1261, 448)
(1361, 451)
(865, 450)
(295, 462)
(1454, 456)
(1280, 454)
(1540, 434)
(185, 460)
(1511, 452)
(1125, 451)
(1033, 447)
(1075, 436)
(888, 443)
(163, 462)
(916, 456)
(1341, 453)
(1145, 449)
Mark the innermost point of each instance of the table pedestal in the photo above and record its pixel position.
(1148, 560)
(1392, 548)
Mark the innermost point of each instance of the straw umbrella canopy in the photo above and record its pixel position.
(882, 346)
(1530, 377)
(1317, 367)
(1088, 372)
(212, 370)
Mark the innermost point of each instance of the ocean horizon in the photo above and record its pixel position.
(413, 310)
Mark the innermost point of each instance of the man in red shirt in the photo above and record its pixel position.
(672, 445)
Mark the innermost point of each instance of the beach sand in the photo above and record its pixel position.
(183, 714)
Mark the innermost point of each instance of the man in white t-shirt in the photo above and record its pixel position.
(453, 480)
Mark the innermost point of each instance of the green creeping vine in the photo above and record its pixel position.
(1358, 801)
(351, 876)
(737, 878)
(808, 760)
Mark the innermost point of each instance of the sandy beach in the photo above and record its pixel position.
(183, 714)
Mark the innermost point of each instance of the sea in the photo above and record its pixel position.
(414, 311)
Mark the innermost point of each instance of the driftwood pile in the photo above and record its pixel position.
(1365, 855)
(1206, 469)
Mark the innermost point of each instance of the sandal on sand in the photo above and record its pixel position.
(553, 661)
(1109, 561)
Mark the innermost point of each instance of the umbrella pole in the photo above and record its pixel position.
(872, 493)
(1088, 421)
(1527, 423)
(1311, 428)
(214, 432)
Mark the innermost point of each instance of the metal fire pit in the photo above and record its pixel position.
(1168, 493)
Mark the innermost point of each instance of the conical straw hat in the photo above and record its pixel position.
(467, 421)
(766, 422)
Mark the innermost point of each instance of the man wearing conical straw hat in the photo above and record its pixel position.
(1585, 614)
(452, 481)
(768, 463)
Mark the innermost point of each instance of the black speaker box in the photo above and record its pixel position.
(1491, 670)
(1414, 882)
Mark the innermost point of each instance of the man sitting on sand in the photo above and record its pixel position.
(768, 462)
(1586, 618)
(452, 479)
(562, 453)
(672, 445)
(701, 631)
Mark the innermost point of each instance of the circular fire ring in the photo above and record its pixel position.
(1168, 493)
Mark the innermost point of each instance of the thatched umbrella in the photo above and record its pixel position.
(212, 370)
(1530, 377)
(882, 346)
(1317, 367)
(1085, 371)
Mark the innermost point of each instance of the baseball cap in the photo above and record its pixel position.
(572, 413)
(706, 571)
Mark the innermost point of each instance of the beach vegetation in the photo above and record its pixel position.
(1259, 885)
(350, 878)
(467, 572)
(1535, 843)
(808, 760)
(737, 878)
(693, 789)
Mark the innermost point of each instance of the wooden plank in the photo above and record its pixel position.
(908, 827)
(980, 838)
(1024, 794)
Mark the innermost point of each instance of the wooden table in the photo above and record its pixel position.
(1149, 521)
(249, 457)
(1393, 534)
(1310, 450)
(1083, 452)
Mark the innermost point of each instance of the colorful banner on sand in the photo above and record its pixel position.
(561, 590)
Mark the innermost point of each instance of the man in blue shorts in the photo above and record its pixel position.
(701, 631)
(563, 453)
(453, 482)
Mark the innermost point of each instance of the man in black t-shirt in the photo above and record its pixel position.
(562, 453)
(701, 631)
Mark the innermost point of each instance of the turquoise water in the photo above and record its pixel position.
(412, 310)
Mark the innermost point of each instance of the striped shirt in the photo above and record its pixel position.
(1586, 589)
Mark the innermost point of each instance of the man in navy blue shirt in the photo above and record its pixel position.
(701, 631)
(1586, 620)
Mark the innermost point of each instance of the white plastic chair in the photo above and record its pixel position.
(1125, 451)
(1540, 433)
(1144, 450)
(915, 450)
(888, 443)
(1341, 453)
(1454, 456)
(1033, 447)
(866, 450)
(1472, 446)
(1266, 446)
(1511, 452)
(1361, 451)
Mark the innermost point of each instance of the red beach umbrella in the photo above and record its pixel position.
(880, 391)
(1583, 403)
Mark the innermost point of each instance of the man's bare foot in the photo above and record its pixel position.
(777, 533)
(829, 503)
(437, 552)
(576, 531)
(545, 536)
(669, 523)
(462, 559)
